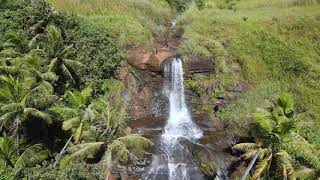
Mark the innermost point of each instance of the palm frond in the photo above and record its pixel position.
(297, 136)
(71, 123)
(10, 116)
(7, 150)
(74, 99)
(86, 94)
(136, 141)
(66, 73)
(85, 150)
(66, 112)
(286, 102)
(78, 133)
(53, 65)
(261, 167)
(5, 94)
(284, 161)
(249, 154)
(244, 147)
(38, 114)
(73, 64)
(81, 152)
(32, 156)
(66, 51)
(12, 70)
(10, 53)
(49, 76)
(303, 150)
(118, 151)
(263, 119)
(54, 34)
(305, 173)
(12, 107)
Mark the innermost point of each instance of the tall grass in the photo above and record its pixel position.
(273, 41)
(133, 21)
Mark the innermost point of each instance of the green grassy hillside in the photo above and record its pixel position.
(276, 43)
(132, 21)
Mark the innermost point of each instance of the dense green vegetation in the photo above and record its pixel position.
(131, 21)
(280, 151)
(275, 43)
(62, 112)
(58, 99)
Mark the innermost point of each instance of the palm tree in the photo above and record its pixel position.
(14, 46)
(117, 151)
(109, 119)
(11, 157)
(78, 113)
(32, 63)
(267, 157)
(57, 53)
(13, 110)
(275, 125)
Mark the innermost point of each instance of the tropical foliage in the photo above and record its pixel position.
(276, 144)
(58, 101)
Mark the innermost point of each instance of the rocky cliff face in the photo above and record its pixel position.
(147, 104)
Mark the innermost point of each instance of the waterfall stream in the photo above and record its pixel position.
(174, 161)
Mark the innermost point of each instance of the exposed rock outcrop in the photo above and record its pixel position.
(144, 60)
(200, 65)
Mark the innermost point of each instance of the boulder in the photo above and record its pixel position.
(139, 60)
(200, 65)
(152, 61)
(155, 61)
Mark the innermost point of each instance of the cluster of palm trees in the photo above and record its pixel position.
(39, 81)
(278, 151)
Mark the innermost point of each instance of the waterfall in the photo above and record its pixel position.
(175, 158)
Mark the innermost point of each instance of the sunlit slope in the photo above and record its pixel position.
(276, 44)
(132, 21)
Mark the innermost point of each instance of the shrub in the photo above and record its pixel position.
(182, 5)
(98, 51)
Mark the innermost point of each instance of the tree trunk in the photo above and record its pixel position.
(62, 152)
(250, 166)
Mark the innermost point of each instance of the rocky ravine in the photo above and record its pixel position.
(147, 107)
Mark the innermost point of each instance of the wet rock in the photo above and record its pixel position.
(138, 167)
(143, 91)
(149, 127)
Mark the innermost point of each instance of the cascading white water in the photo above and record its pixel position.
(179, 124)
(179, 127)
